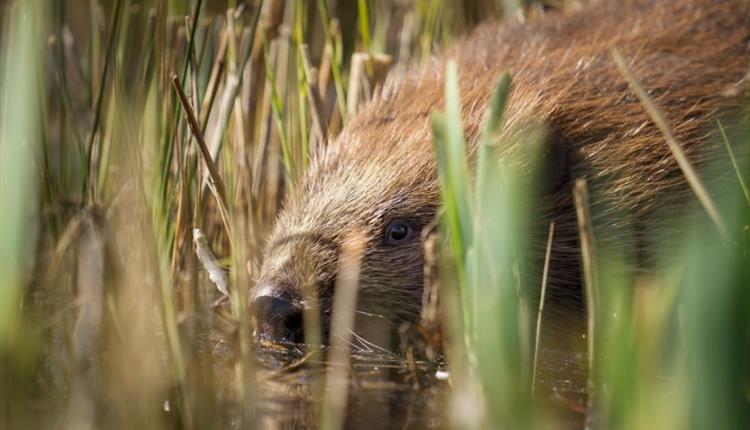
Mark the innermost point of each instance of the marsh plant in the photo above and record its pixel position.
(125, 125)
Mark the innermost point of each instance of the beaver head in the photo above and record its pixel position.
(378, 178)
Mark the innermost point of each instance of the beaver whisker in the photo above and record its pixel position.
(372, 346)
(370, 314)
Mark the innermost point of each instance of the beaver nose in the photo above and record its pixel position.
(279, 318)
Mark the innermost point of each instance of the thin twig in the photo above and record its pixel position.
(542, 295)
(217, 185)
(660, 119)
(196, 130)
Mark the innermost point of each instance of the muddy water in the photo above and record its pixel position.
(397, 390)
(387, 391)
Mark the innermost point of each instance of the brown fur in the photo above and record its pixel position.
(688, 54)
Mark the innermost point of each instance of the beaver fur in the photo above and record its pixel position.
(693, 57)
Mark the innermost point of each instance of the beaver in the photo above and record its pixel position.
(379, 175)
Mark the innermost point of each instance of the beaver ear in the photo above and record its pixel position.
(554, 162)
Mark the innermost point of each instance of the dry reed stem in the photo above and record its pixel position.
(311, 312)
(193, 67)
(244, 368)
(217, 185)
(361, 82)
(264, 166)
(179, 227)
(430, 315)
(591, 277)
(231, 85)
(660, 119)
(217, 70)
(542, 294)
(238, 111)
(357, 75)
(342, 326)
(405, 38)
(324, 71)
(313, 96)
(333, 35)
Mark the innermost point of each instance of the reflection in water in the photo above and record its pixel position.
(388, 391)
(385, 390)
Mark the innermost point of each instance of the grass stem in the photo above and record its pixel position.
(590, 276)
(660, 119)
(542, 296)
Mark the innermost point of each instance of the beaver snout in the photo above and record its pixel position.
(278, 316)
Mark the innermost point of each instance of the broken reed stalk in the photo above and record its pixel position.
(210, 264)
(590, 275)
(342, 326)
(313, 95)
(217, 185)
(542, 294)
(356, 81)
(660, 119)
(366, 72)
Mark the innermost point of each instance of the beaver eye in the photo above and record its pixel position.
(397, 232)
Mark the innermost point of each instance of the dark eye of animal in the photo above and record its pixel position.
(397, 232)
